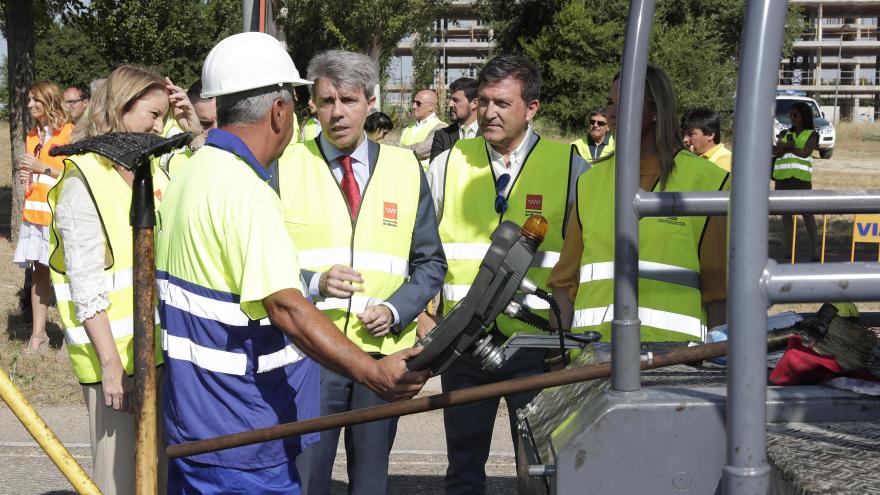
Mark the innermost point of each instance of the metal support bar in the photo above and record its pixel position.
(54, 449)
(814, 282)
(625, 337)
(746, 471)
(652, 204)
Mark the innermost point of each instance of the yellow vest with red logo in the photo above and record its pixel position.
(36, 204)
(469, 216)
(112, 198)
(376, 244)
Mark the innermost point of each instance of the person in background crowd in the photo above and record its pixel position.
(793, 167)
(311, 127)
(377, 126)
(91, 243)
(509, 172)
(39, 172)
(599, 142)
(462, 112)
(75, 102)
(95, 84)
(701, 130)
(360, 214)
(419, 135)
(683, 263)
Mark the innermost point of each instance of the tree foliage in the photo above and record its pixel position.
(578, 47)
(424, 61)
(66, 56)
(372, 27)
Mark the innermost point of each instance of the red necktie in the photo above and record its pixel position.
(349, 186)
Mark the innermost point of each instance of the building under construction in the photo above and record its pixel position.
(834, 59)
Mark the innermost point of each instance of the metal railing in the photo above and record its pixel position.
(755, 282)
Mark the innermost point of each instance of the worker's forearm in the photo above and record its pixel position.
(315, 335)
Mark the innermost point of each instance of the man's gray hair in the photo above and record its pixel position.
(247, 107)
(349, 70)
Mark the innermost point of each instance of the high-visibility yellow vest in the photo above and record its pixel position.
(36, 204)
(469, 216)
(376, 244)
(112, 197)
(670, 306)
(791, 165)
(583, 149)
(311, 129)
(414, 134)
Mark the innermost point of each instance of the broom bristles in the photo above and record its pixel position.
(854, 346)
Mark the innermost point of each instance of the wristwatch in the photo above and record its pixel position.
(48, 171)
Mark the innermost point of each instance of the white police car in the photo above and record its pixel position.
(781, 122)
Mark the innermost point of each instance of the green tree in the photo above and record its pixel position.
(424, 61)
(67, 56)
(172, 37)
(372, 27)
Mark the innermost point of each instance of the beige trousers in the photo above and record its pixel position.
(112, 436)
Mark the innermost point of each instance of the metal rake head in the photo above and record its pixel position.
(128, 149)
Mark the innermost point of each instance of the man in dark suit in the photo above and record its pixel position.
(462, 112)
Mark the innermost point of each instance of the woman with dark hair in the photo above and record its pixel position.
(377, 126)
(793, 167)
(682, 260)
(39, 171)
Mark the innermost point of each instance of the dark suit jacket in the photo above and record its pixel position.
(444, 139)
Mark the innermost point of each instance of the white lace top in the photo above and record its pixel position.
(77, 221)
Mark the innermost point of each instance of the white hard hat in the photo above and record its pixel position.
(246, 61)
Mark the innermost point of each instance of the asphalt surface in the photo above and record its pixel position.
(418, 460)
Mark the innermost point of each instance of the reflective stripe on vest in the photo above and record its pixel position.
(655, 318)
(212, 310)
(791, 166)
(469, 216)
(377, 244)
(112, 203)
(670, 305)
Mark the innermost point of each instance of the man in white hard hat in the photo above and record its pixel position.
(362, 217)
(238, 334)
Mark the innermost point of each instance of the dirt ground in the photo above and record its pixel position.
(47, 379)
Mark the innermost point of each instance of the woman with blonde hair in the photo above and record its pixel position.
(39, 172)
(682, 263)
(91, 262)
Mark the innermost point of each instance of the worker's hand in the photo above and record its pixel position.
(116, 386)
(425, 323)
(392, 381)
(378, 320)
(25, 171)
(340, 281)
(184, 112)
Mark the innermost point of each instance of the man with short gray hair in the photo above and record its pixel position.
(236, 327)
(361, 215)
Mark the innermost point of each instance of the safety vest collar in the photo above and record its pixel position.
(227, 141)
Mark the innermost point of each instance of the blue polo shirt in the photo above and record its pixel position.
(221, 248)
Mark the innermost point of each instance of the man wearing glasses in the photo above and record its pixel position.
(419, 135)
(75, 102)
(599, 142)
(507, 173)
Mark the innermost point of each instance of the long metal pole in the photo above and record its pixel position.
(747, 471)
(684, 355)
(653, 204)
(625, 338)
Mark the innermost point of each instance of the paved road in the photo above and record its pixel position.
(418, 460)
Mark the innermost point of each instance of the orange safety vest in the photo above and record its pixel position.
(36, 202)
